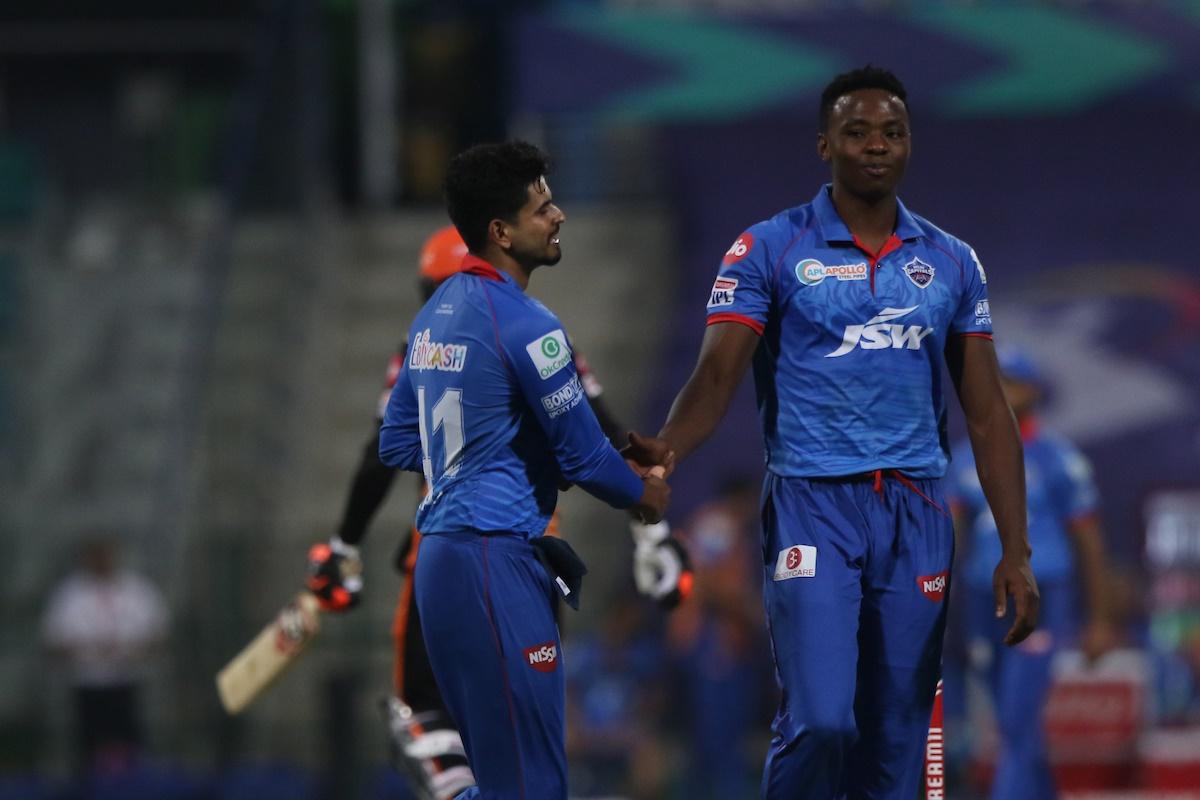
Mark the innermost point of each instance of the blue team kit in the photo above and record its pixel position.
(1059, 491)
(488, 404)
(857, 540)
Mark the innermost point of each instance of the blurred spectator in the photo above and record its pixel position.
(104, 622)
(720, 645)
(1065, 536)
(615, 706)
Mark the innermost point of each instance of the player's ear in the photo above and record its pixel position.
(823, 147)
(498, 232)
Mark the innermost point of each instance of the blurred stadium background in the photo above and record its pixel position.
(209, 219)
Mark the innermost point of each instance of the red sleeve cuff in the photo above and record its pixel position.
(752, 324)
(978, 335)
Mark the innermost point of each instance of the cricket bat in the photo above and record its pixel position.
(273, 650)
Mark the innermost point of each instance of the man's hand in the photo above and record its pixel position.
(656, 494)
(644, 452)
(1013, 576)
(334, 574)
(661, 568)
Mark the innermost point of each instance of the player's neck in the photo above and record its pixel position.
(505, 263)
(872, 220)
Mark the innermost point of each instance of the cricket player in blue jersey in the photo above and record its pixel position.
(846, 305)
(1067, 544)
(489, 406)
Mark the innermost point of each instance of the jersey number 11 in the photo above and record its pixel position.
(448, 417)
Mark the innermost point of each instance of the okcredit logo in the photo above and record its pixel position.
(880, 333)
(542, 657)
(549, 353)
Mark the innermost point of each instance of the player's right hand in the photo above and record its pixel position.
(656, 495)
(334, 574)
(644, 452)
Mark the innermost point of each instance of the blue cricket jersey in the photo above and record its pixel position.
(1059, 489)
(848, 372)
(489, 405)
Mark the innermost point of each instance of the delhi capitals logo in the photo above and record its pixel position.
(919, 272)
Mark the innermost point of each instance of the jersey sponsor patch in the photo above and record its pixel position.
(934, 586)
(566, 398)
(983, 313)
(542, 657)
(810, 272)
(722, 292)
(549, 353)
(739, 249)
(919, 272)
(797, 561)
(426, 354)
(879, 332)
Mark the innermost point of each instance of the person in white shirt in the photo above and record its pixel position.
(103, 623)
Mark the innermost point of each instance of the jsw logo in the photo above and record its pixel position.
(879, 333)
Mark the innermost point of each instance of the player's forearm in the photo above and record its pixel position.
(606, 476)
(371, 483)
(1000, 463)
(695, 414)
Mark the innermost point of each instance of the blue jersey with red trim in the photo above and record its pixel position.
(489, 405)
(1059, 490)
(848, 372)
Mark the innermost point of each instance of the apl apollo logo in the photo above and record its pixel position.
(880, 333)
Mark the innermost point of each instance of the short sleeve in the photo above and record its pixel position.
(974, 315)
(742, 289)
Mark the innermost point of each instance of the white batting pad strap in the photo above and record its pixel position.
(649, 535)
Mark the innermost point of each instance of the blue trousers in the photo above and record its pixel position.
(1020, 679)
(486, 613)
(856, 574)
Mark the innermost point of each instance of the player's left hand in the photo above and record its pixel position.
(1014, 577)
(334, 574)
(661, 567)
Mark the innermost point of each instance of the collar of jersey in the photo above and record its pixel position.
(834, 230)
(474, 265)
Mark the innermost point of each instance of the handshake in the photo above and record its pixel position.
(653, 460)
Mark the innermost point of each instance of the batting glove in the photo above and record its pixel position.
(661, 568)
(334, 574)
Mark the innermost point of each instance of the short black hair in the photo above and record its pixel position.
(868, 77)
(490, 181)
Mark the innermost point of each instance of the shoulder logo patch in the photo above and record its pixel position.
(739, 249)
(722, 292)
(549, 353)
